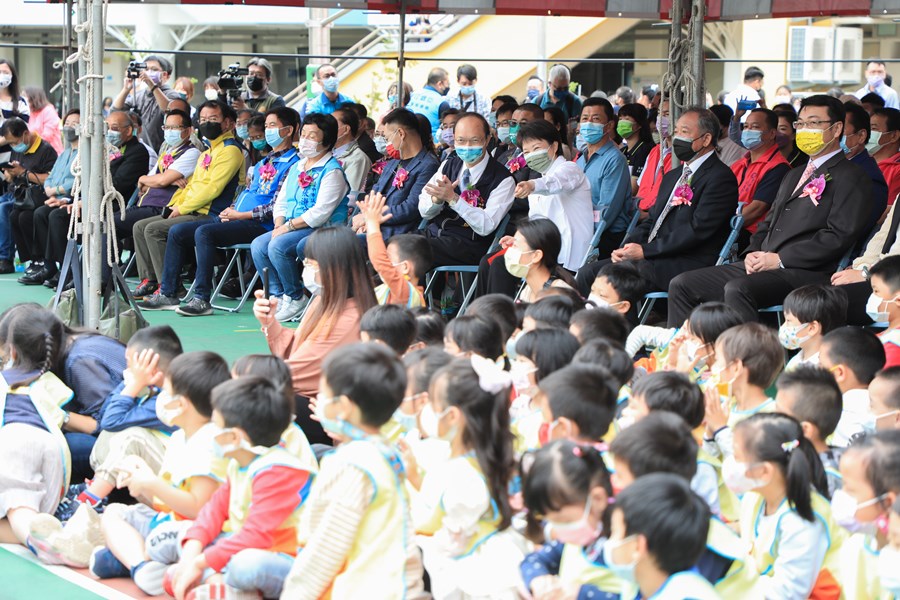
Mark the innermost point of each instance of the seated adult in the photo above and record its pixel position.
(504, 113)
(353, 159)
(529, 256)
(633, 128)
(58, 188)
(606, 169)
(884, 146)
(760, 171)
(689, 222)
(218, 172)
(30, 162)
(514, 160)
(467, 198)
(659, 162)
(817, 216)
(555, 117)
(562, 195)
(857, 129)
(412, 163)
(786, 138)
(314, 195)
(249, 217)
(342, 292)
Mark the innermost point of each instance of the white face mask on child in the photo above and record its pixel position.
(165, 415)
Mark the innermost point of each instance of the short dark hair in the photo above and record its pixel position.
(500, 308)
(873, 99)
(709, 320)
(823, 303)
(585, 394)
(891, 375)
(604, 323)
(771, 117)
(195, 374)
(478, 335)
(286, 115)
(268, 366)
(671, 517)
(758, 349)
(422, 364)
(505, 99)
(541, 130)
(723, 114)
(818, 398)
(550, 349)
(391, 324)
(856, 348)
(625, 279)
(226, 109)
(753, 74)
(164, 63)
(326, 124)
(881, 455)
(835, 109)
(371, 376)
(661, 442)
(415, 249)
(859, 118)
(891, 114)
(555, 311)
(507, 107)
(888, 270)
(609, 355)
(255, 405)
(185, 118)
(673, 392)
(430, 325)
(536, 111)
(14, 126)
(602, 102)
(161, 339)
(348, 117)
(467, 71)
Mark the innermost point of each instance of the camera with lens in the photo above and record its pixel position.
(231, 80)
(135, 68)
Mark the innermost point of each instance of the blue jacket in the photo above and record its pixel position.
(404, 202)
(121, 412)
(429, 102)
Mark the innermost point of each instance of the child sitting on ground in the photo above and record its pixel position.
(468, 335)
(599, 323)
(811, 395)
(578, 403)
(884, 305)
(402, 264)
(748, 359)
(884, 398)
(258, 506)
(390, 324)
(810, 312)
(620, 287)
(853, 355)
(356, 530)
(129, 423)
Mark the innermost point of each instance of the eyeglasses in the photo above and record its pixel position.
(811, 124)
(173, 127)
(505, 123)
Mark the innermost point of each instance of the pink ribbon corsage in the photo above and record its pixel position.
(305, 179)
(267, 172)
(516, 163)
(400, 178)
(167, 161)
(683, 195)
(207, 160)
(472, 197)
(378, 167)
(814, 189)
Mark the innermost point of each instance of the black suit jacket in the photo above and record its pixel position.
(811, 237)
(692, 236)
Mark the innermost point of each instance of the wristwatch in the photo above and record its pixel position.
(865, 272)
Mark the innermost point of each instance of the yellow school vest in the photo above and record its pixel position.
(375, 565)
(686, 584)
(487, 525)
(294, 441)
(859, 568)
(765, 544)
(735, 416)
(729, 503)
(741, 580)
(576, 569)
(240, 480)
(48, 394)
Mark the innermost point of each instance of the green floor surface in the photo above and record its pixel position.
(24, 579)
(231, 335)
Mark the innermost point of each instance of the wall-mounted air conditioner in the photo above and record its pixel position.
(822, 46)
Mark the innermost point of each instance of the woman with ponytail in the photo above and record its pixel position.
(463, 505)
(33, 451)
(785, 514)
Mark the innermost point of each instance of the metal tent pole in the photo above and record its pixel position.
(401, 58)
(673, 78)
(68, 90)
(697, 92)
(93, 235)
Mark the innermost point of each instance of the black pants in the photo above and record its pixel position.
(857, 296)
(731, 284)
(125, 224)
(493, 278)
(312, 428)
(451, 250)
(22, 222)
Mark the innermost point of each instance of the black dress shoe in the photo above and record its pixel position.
(52, 282)
(37, 277)
(7, 267)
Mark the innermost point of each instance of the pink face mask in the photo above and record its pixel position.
(580, 533)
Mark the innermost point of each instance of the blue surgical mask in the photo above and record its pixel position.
(751, 138)
(392, 99)
(581, 144)
(532, 94)
(561, 95)
(242, 131)
(20, 148)
(380, 145)
(467, 90)
(172, 137)
(113, 137)
(331, 84)
(272, 137)
(407, 422)
(437, 137)
(844, 145)
(260, 144)
(469, 154)
(592, 132)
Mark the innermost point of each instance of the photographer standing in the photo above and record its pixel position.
(259, 98)
(151, 100)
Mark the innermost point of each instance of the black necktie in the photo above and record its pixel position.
(892, 232)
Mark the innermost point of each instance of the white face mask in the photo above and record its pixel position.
(5, 80)
(429, 420)
(873, 309)
(211, 94)
(166, 415)
(520, 372)
(601, 303)
(308, 148)
(844, 508)
(309, 280)
(735, 475)
(624, 572)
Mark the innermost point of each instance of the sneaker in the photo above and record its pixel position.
(65, 510)
(289, 308)
(7, 267)
(103, 565)
(149, 577)
(71, 545)
(231, 289)
(220, 591)
(197, 307)
(146, 288)
(158, 301)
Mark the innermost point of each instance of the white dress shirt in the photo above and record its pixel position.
(483, 221)
(332, 190)
(563, 195)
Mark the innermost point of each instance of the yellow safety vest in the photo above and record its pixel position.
(684, 585)
(729, 503)
(741, 581)
(859, 568)
(576, 568)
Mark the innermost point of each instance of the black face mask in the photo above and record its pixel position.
(684, 149)
(70, 133)
(255, 84)
(211, 130)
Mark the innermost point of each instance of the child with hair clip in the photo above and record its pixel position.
(785, 515)
(35, 457)
(462, 511)
(870, 467)
(567, 492)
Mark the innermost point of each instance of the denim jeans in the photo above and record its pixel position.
(7, 246)
(254, 569)
(280, 256)
(80, 447)
(210, 236)
(179, 242)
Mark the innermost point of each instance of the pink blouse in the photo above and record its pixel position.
(46, 124)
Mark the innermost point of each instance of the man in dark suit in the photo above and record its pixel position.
(688, 225)
(807, 231)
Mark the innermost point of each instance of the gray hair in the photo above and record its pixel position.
(560, 72)
(706, 121)
(262, 62)
(626, 94)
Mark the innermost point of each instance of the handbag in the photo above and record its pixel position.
(67, 309)
(119, 320)
(27, 195)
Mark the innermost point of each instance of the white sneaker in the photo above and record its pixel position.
(289, 308)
